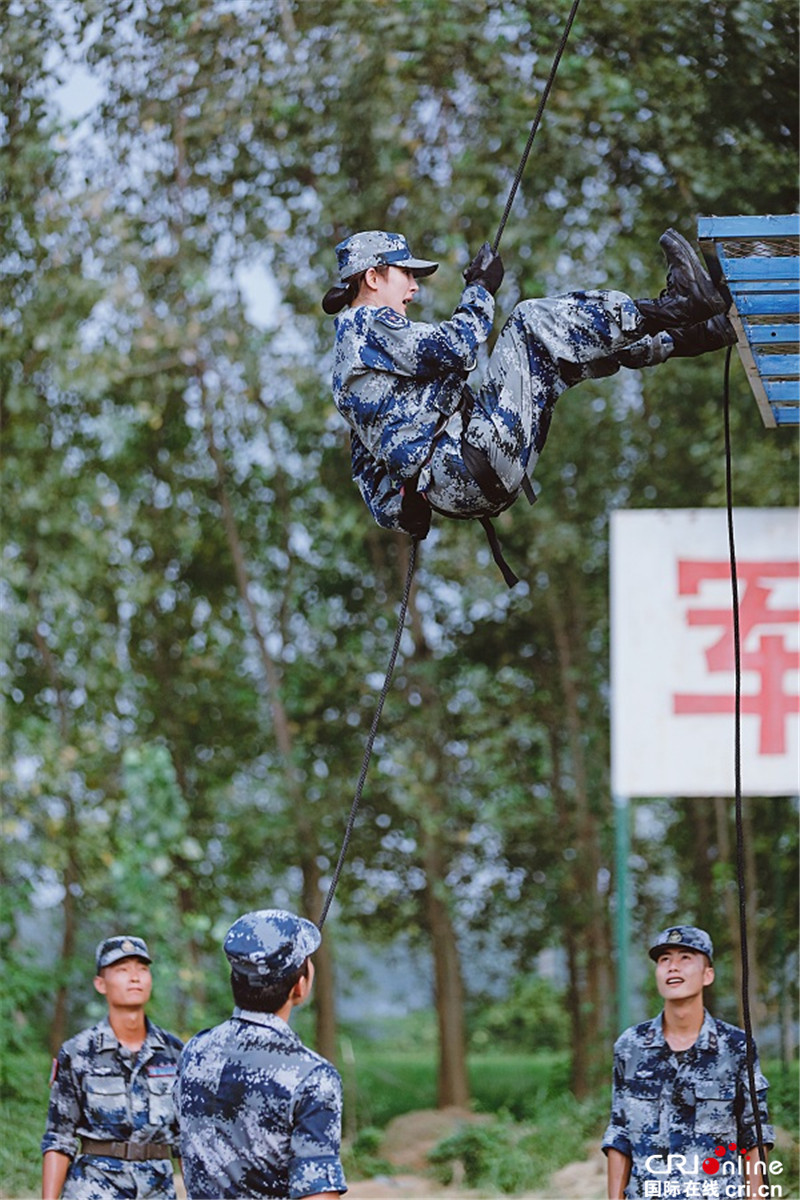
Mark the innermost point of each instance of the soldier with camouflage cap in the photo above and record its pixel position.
(421, 438)
(260, 1114)
(111, 1125)
(680, 1086)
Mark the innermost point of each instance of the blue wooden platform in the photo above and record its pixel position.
(758, 260)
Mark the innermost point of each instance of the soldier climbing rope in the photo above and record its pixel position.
(469, 455)
(414, 542)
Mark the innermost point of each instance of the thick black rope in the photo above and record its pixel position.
(535, 125)
(351, 820)
(740, 870)
(413, 555)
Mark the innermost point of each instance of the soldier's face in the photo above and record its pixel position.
(682, 974)
(126, 983)
(395, 289)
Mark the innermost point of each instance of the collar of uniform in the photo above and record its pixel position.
(271, 1020)
(706, 1038)
(654, 1033)
(109, 1040)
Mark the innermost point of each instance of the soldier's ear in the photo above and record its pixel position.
(100, 985)
(708, 978)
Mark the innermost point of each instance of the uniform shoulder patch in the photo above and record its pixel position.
(392, 319)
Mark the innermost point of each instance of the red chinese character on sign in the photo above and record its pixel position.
(768, 654)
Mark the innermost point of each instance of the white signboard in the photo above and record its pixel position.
(673, 652)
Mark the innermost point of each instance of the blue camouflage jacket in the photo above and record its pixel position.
(670, 1113)
(102, 1091)
(396, 382)
(260, 1113)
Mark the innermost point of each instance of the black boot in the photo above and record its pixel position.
(703, 338)
(689, 298)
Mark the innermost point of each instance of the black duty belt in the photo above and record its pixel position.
(130, 1151)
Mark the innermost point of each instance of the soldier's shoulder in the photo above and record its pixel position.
(82, 1043)
(391, 319)
(315, 1063)
(634, 1035)
(170, 1040)
(730, 1035)
(201, 1038)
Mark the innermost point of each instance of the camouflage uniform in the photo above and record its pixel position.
(401, 387)
(665, 1104)
(103, 1091)
(260, 1114)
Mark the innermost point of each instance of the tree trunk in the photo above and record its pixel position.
(452, 1086)
(578, 1075)
(323, 994)
(758, 1011)
(324, 990)
(594, 941)
(452, 1079)
(729, 894)
(71, 870)
(60, 1025)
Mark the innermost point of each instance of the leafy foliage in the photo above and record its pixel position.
(197, 607)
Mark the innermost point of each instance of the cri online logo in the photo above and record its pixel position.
(711, 1165)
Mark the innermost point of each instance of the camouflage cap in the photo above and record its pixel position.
(688, 936)
(267, 946)
(374, 248)
(112, 949)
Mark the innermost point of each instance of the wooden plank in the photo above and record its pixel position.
(767, 335)
(764, 270)
(714, 228)
(754, 261)
(783, 365)
(783, 390)
(767, 304)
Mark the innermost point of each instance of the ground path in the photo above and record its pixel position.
(409, 1138)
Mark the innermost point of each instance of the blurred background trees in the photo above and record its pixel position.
(198, 611)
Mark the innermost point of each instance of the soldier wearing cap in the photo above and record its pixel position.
(680, 1087)
(421, 438)
(111, 1125)
(261, 1114)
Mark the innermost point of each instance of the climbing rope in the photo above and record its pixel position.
(535, 125)
(740, 870)
(413, 555)
(351, 820)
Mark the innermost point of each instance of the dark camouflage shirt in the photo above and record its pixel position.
(103, 1091)
(260, 1113)
(396, 382)
(670, 1113)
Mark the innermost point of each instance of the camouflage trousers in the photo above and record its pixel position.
(96, 1178)
(546, 346)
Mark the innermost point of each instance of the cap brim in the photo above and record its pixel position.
(312, 936)
(420, 266)
(126, 954)
(656, 950)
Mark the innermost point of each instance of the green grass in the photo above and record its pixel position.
(383, 1085)
(538, 1120)
(23, 1112)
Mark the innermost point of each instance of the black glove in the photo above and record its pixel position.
(415, 513)
(486, 268)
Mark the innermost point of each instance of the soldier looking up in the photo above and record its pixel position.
(680, 1088)
(111, 1125)
(260, 1114)
(422, 439)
